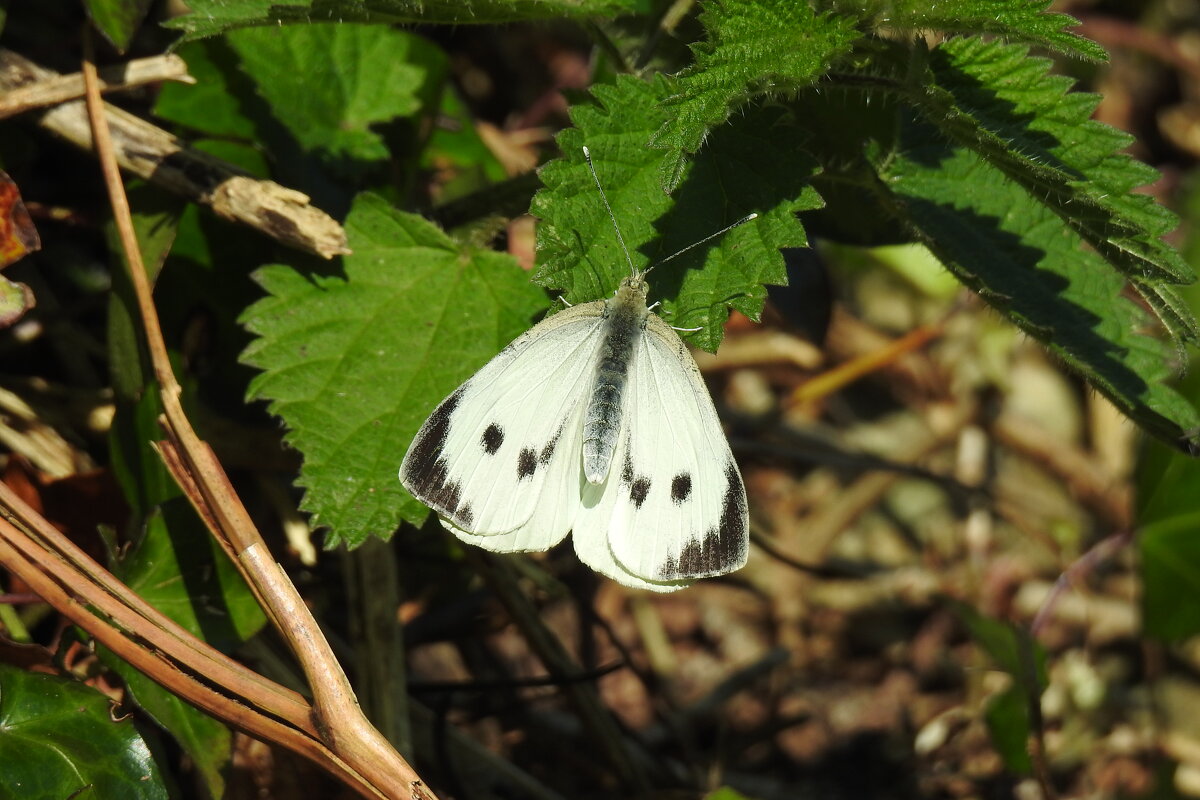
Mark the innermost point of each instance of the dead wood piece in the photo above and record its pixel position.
(149, 152)
(57, 89)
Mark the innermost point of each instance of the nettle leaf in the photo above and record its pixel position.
(354, 364)
(329, 84)
(1017, 254)
(59, 739)
(754, 166)
(1004, 104)
(762, 47)
(1015, 20)
(210, 17)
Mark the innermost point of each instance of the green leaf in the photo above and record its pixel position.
(210, 17)
(1014, 251)
(726, 793)
(156, 216)
(1014, 20)
(59, 740)
(354, 365)
(118, 20)
(455, 145)
(751, 167)
(137, 466)
(330, 84)
(1007, 717)
(1008, 713)
(207, 741)
(756, 48)
(217, 103)
(1168, 516)
(1005, 105)
(181, 571)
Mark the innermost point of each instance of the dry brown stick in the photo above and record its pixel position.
(72, 566)
(151, 153)
(21, 556)
(339, 720)
(51, 91)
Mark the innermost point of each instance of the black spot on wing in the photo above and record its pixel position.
(627, 467)
(493, 437)
(526, 463)
(425, 471)
(638, 491)
(723, 547)
(681, 488)
(465, 517)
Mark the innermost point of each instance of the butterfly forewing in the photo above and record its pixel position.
(503, 450)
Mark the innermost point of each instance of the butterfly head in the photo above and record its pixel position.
(635, 286)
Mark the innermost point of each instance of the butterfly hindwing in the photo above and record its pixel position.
(590, 536)
(679, 511)
(501, 452)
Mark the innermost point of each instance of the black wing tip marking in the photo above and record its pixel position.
(723, 548)
(425, 471)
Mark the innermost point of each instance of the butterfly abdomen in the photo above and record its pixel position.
(625, 316)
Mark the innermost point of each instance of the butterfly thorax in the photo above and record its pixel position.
(624, 318)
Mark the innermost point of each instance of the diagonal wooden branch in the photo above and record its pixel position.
(57, 89)
(151, 153)
(339, 721)
(92, 598)
(45, 544)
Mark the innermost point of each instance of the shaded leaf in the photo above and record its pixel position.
(1007, 717)
(118, 20)
(216, 103)
(181, 571)
(1008, 713)
(751, 167)
(1017, 254)
(761, 47)
(330, 84)
(1168, 516)
(353, 365)
(210, 17)
(1005, 105)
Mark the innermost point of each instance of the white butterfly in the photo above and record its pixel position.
(596, 422)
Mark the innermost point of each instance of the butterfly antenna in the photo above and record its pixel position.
(710, 237)
(588, 155)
